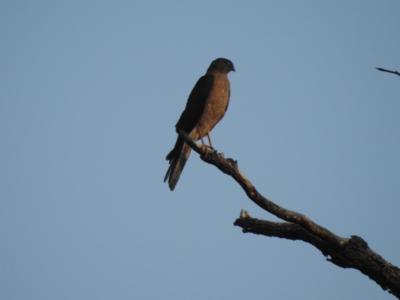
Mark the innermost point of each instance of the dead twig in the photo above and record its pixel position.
(384, 70)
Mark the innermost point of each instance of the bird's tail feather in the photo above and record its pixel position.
(177, 166)
(177, 157)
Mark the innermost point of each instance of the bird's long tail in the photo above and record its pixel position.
(177, 159)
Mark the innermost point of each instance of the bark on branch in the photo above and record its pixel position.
(344, 252)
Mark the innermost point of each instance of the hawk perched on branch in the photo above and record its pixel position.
(205, 107)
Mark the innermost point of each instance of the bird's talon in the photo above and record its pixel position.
(206, 150)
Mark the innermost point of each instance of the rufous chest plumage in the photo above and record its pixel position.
(216, 103)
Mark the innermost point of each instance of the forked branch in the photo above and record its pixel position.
(344, 252)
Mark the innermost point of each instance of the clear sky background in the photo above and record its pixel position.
(90, 92)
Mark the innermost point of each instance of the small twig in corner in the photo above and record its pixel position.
(384, 70)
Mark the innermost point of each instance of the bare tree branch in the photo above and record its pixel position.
(384, 70)
(344, 252)
(355, 253)
(284, 230)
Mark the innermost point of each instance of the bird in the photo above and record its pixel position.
(205, 107)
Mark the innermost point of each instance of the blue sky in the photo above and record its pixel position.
(90, 93)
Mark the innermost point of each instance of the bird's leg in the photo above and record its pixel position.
(209, 141)
(201, 137)
(211, 147)
(203, 145)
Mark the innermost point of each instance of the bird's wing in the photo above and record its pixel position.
(195, 104)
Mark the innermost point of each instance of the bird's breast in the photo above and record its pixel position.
(216, 103)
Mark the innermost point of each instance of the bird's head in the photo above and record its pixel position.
(222, 64)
